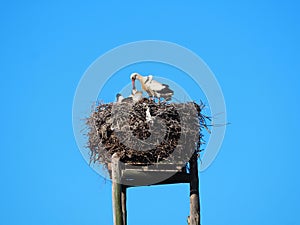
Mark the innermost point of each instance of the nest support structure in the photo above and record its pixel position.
(117, 136)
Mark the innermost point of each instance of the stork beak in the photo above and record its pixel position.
(133, 83)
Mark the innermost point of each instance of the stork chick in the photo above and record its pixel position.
(153, 87)
(119, 98)
(134, 97)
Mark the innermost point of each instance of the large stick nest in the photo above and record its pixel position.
(172, 134)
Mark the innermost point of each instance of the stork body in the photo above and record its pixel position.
(153, 87)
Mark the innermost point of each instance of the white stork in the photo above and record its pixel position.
(120, 98)
(153, 87)
(134, 97)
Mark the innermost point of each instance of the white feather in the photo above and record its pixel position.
(148, 115)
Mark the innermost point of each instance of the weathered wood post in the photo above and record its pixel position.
(194, 192)
(116, 190)
(123, 201)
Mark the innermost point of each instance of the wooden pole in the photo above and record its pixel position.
(116, 190)
(194, 192)
(123, 201)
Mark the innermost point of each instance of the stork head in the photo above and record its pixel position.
(133, 77)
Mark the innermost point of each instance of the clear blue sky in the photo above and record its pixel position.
(253, 49)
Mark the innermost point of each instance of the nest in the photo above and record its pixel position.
(145, 132)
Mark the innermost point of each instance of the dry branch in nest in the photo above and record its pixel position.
(145, 132)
